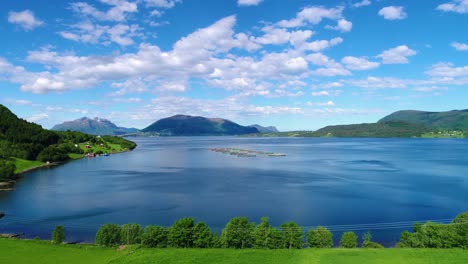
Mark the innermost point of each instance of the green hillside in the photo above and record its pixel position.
(25, 145)
(43, 252)
(183, 125)
(452, 120)
(381, 129)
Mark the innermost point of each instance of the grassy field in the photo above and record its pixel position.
(22, 165)
(38, 252)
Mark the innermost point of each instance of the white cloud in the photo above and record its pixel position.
(329, 103)
(343, 25)
(359, 64)
(312, 15)
(162, 3)
(448, 71)
(249, 2)
(362, 3)
(25, 19)
(457, 6)
(397, 55)
(430, 89)
(118, 12)
(18, 101)
(460, 46)
(319, 45)
(393, 13)
(378, 83)
(37, 117)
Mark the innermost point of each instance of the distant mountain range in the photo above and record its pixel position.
(185, 125)
(96, 126)
(262, 129)
(454, 120)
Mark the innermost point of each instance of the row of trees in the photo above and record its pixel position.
(238, 233)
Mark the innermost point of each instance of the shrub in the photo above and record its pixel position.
(58, 236)
(320, 237)
(154, 237)
(130, 234)
(180, 233)
(348, 240)
(238, 233)
(7, 170)
(108, 235)
(292, 235)
(368, 243)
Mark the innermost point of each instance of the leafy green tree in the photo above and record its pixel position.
(261, 234)
(460, 227)
(238, 233)
(7, 170)
(180, 233)
(108, 235)
(275, 239)
(130, 234)
(348, 240)
(368, 243)
(292, 235)
(154, 237)
(58, 236)
(320, 237)
(202, 236)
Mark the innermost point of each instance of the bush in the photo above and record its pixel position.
(348, 240)
(130, 234)
(154, 237)
(52, 154)
(238, 233)
(108, 235)
(368, 243)
(58, 236)
(320, 237)
(180, 233)
(292, 235)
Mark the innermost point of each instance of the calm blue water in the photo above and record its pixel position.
(327, 182)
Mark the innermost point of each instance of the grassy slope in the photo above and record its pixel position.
(22, 165)
(38, 252)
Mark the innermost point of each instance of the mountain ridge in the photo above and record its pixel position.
(93, 126)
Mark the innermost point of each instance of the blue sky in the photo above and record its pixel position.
(293, 64)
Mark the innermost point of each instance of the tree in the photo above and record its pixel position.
(460, 226)
(130, 234)
(348, 240)
(202, 236)
(108, 235)
(275, 239)
(154, 237)
(58, 236)
(7, 170)
(261, 234)
(238, 233)
(320, 237)
(292, 235)
(180, 233)
(368, 243)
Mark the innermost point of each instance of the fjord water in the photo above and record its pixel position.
(321, 181)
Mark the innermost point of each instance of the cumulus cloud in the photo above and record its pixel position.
(372, 82)
(24, 19)
(312, 15)
(249, 2)
(457, 6)
(362, 3)
(393, 13)
(397, 55)
(460, 46)
(359, 64)
(343, 25)
(167, 4)
(118, 12)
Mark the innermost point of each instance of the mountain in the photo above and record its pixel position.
(96, 126)
(456, 119)
(185, 125)
(262, 129)
(381, 129)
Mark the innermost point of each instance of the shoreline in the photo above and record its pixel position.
(8, 185)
